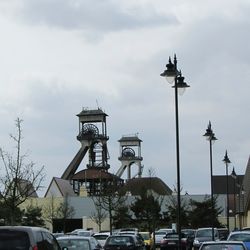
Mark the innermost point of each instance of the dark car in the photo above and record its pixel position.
(171, 241)
(190, 234)
(223, 233)
(124, 242)
(27, 238)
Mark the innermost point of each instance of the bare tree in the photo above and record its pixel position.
(50, 210)
(111, 200)
(65, 211)
(99, 215)
(20, 179)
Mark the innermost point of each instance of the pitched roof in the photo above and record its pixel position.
(26, 187)
(93, 173)
(87, 112)
(137, 185)
(130, 138)
(63, 186)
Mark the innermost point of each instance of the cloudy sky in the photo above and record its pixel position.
(57, 56)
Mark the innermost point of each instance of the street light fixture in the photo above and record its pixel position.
(211, 138)
(227, 161)
(234, 176)
(174, 76)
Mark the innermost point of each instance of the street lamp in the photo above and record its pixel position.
(174, 76)
(234, 176)
(211, 138)
(227, 161)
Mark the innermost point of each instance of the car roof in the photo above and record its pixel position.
(72, 236)
(240, 232)
(24, 228)
(122, 235)
(107, 233)
(223, 242)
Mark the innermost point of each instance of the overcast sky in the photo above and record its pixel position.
(57, 56)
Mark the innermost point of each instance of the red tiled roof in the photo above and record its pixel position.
(93, 173)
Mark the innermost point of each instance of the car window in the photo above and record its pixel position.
(74, 244)
(87, 234)
(145, 236)
(41, 243)
(160, 233)
(101, 237)
(119, 240)
(50, 242)
(94, 243)
(222, 247)
(240, 237)
(14, 240)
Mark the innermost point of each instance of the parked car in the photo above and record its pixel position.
(223, 245)
(82, 232)
(147, 239)
(158, 236)
(204, 234)
(171, 241)
(240, 236)
(101, 237)
(124, 242)
(190, 234)
(26, 238)
(76, 242)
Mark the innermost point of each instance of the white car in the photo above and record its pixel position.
(82, 232)
(101, 237)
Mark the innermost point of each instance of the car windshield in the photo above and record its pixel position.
(14, 240)
(173, 235)
(101, 236)
(160, 233)
(122, 240)
(225, 246)
(145, 236)
(240, 237)
(74, 244)
(204, 233)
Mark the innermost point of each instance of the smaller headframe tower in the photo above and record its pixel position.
(130, 153)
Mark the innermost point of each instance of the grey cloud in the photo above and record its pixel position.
(91, 14)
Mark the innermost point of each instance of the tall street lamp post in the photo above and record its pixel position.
(211, 138)
(242, 192)
(174, 76)
(227, 161)
(239, 201)
(234, 176)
